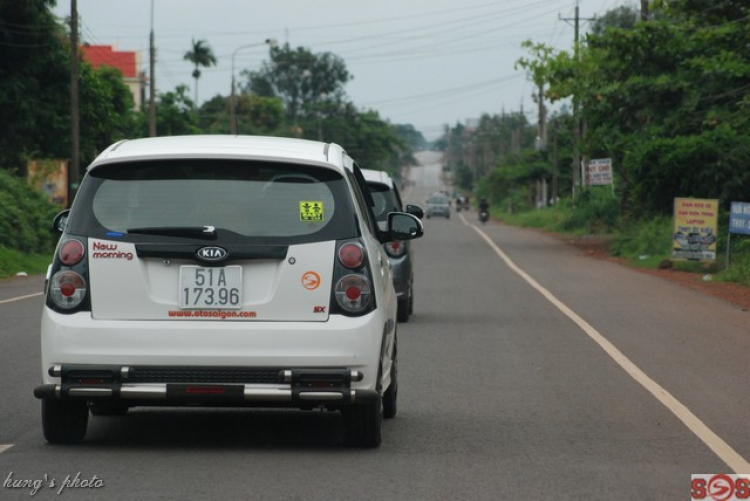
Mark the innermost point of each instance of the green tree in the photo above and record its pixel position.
(34, 84)
(303, 80)
(35, 91)
(106, 111)
(309, 88)
(625, 17)
(371, 141)
(214, 115)
(539, 73)
(475, 152)
(560, 153)
(25, 216)
(174, 114)
(260, 115)
(411, 136)
(200, 55)
(667, 100)
(255, 115)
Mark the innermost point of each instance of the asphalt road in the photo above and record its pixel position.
(528, 371)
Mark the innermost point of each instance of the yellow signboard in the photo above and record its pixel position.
(311, 211)
(695, 226)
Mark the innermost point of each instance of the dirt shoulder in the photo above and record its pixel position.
(598, 248)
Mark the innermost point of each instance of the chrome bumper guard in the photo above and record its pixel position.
(295, 387)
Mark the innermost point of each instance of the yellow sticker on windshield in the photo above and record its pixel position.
(311, 211)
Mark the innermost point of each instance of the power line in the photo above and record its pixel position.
(403, 111)
(326, 28)
(482, 19)
(453, 90)
(435, 47)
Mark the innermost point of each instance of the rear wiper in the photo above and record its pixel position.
(204, 232)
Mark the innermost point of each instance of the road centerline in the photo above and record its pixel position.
(4, 448)
(722, 449)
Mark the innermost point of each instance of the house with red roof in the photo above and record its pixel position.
(126, 62)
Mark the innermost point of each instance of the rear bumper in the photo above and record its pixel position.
(346, 343)
(438, 211)
(213, 386)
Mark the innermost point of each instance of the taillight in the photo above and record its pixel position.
(71, 252)
(352, 255)
(395, 248)
(67, 285)
(67, 289)
(353, 293)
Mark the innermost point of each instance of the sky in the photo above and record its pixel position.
(428, 63)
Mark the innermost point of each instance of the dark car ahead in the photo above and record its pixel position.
(387, 199)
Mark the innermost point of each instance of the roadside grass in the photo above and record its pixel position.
(738, 268)
(644, 244)
(14, 261)
(548, 219)
(26, 237)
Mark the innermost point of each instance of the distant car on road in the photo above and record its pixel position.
(438, 205)
(387, 199)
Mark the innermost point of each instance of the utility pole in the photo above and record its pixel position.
(448, 156)
(152, 81)
(515, 142)
(577, 105)
(515, 137)
(542, 120)
(555, 167)
(74, 168)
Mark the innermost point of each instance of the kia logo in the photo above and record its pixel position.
(211, 254)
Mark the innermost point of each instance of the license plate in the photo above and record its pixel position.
(211, 288)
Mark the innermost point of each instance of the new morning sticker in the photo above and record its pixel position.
(311, 211)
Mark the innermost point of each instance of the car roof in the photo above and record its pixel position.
(227, 147)
(378, 176)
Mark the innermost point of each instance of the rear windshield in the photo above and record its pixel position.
(257, 200)
(385, 200)
(438, 200)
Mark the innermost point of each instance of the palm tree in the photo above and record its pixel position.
(201, 55)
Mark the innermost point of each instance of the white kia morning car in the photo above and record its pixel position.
(221, 271)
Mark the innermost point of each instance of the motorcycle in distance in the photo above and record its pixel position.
(484, 211)
(462, 204)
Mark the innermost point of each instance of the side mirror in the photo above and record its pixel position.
(415, 210)
(403, 226)
(60, 221)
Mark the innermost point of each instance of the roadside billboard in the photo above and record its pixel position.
(739, 218)
(695, 226)
(51, 178)
(599, 172)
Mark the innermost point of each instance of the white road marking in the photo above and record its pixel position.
(4, 448)
(723, 450)
(19, 298)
